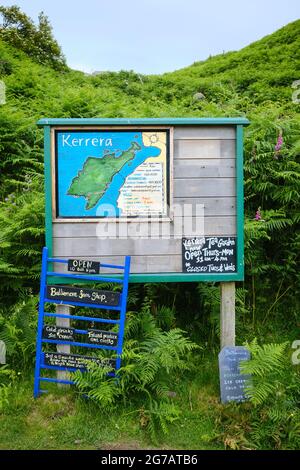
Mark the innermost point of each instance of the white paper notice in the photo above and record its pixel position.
(143, 191)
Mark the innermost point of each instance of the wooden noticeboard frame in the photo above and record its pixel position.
(56, 217)
(160, 123)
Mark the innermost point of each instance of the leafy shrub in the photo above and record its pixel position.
(37, 41)
(21, 240)
(7, 378)
(150, 366)
(18, 331)
(5, 67)
(275, 393)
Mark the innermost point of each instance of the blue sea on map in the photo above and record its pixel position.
(70, 160)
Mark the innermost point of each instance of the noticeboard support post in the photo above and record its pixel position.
(63, 348)
(227, 314)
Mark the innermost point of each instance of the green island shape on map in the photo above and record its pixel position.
(97, 173)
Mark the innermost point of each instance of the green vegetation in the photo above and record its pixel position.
(97, 173)
(62, 421)
(275, 392)
(151, 360)
(37, 41)
(256, 82)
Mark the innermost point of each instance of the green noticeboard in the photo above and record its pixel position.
(167, 192)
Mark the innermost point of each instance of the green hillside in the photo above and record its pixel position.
(234, 82)
(262, 71)
(256, 82)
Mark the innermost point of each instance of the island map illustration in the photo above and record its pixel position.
(111, 174)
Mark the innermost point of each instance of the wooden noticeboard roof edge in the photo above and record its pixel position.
(144, 121)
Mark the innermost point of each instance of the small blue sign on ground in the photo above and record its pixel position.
(232, 381)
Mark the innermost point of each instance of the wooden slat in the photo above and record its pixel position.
(204, 187)
(139, 264)
(93, 246)
(201, 149)
(212, 206)
(220, 225)
(162, 255)
(223, 208)
(192, 168)
(204, 132)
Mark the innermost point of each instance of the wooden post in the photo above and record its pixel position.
(227, 311)
(63, 348)
(2, 352)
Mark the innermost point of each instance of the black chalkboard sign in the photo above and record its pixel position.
(82, 295)
(209, 255)
(58, 332)
(105, 338)
(75, 361)
(83, 266)
(232, 382)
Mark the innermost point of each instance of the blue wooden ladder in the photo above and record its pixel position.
(121, 307)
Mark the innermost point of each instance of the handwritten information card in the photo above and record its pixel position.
(209, 255)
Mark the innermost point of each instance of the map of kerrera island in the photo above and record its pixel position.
(111, 174)
(97, 174)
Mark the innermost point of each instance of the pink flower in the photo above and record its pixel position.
(258, 215)
(279, 143)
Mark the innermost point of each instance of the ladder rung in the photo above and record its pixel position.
(60, 381)
(57, 260)
(68, 369)
(79, 304)
(112, 266)
(84, 345)
(97, 278)
(80, 317)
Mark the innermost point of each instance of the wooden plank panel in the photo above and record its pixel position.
(163, 255)
(228, 149)
(201, 149)
(192, 168)
(138, 230)
(212, 206)
(135, 230)
(204, 132)
(139, 264)
(197, 149)
(219, 162)
(204, 187)
(220, 225)
(94, 246)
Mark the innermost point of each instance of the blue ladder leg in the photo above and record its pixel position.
(40, 324)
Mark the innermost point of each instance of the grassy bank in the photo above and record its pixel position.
(62, 420)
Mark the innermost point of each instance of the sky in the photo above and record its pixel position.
(156, 36)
